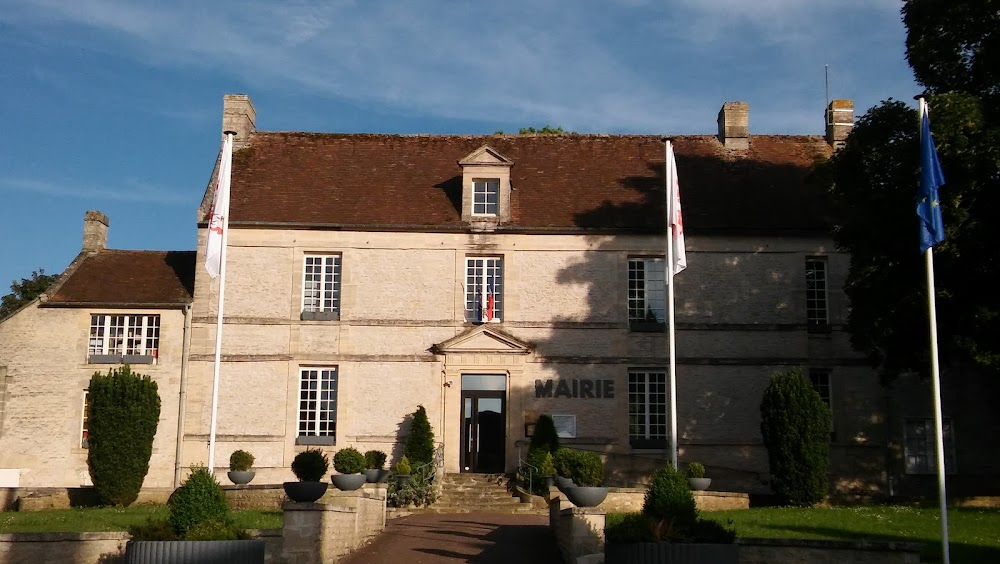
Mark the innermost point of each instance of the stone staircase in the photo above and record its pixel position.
(465, 493)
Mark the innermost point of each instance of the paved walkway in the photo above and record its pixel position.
(483, 538)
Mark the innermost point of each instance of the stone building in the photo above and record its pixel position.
(489, 278)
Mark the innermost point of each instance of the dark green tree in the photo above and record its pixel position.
(419, 446)
(545, 437)
(795, 425)
(24, 291)
(124, 410)
(545, 130)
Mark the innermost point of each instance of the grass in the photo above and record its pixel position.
(974, 534)
(93, 519)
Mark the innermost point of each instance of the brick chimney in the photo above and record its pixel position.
(95, 231)
(839, 122)
(734, 125)
(239, 115)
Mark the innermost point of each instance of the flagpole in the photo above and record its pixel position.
(668, 270)
(936, 384)
(226, 169)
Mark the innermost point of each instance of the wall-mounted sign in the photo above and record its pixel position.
(583, 388)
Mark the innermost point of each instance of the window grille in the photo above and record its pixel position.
(486, 196)
(919, 447)
(647, 290)
(122, 334)
(317, 402)
(647, 408)
(321, 284)
(483, 289)
(817, 312)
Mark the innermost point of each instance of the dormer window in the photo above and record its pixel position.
(485, 188)
(486, 196)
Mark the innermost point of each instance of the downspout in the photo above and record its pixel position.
(185, 348)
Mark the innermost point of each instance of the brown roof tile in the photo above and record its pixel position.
(560, 182)
(138, 278)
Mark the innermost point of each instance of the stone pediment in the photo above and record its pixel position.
(486, 156)
(483, 339)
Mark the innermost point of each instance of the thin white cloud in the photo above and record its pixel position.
(132, 191)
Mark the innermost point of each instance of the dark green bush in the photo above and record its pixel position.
(152, 531)
(712, 532)
(795, 424)
(199, 499)
(625, 528)
(240, 461)
(670, 504)
(349, 461)
(419, 445)
(402, 467)
(545, 436)
(564, 460)
(695, 470)
(588, 469)
(310, 465)
(547, 467)
(215, 530)
(375, 459)
(124, 411)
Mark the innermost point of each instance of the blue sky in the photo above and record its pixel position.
(116, 105)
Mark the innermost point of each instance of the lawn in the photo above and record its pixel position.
(86, 519)
(974, 533)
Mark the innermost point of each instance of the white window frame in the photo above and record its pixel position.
(817, 292)
(647, 409)
(311, 404)
(485, 193)
(85, 420)
(920, 450)
(565, 426)
(482, 273)
(121, 334)
(647, 289)
(321, 282)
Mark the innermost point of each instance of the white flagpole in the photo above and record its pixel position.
(224, 169)
(669, 272)
(936, 386)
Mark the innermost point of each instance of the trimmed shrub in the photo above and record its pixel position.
(152, 530)
(626, 528)
(545, 436)
(587, 468)
(123, 414)
(795, 424)
(419, 445)
(547, 467)
(215, 530)
(349, 461)
(403, 468)
(670, 504)
(240, 461)
(695, 470)
(199, 499)
(310, 465)
(564, 460)
(375, 459)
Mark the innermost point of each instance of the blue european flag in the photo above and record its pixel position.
(931, 178)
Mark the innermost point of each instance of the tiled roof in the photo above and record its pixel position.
(560, 182)
(138, 278)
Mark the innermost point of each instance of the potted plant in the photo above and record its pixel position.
(350, 464)
(375, 471)
(696, 477)
(402, 471)
(240, 463)
(588, 472)
(548, 470)
(309, 467)
(562, 461)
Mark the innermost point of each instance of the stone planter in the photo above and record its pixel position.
(240, 477)
(588, 496)
(699, 484)
(402, 480)
(305, 492)
(195, 552)
(675, 553)
(347, 482)
(376, 475)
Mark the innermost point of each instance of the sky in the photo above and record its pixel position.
(117, 105)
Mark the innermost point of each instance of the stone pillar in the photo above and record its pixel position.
(95, 231)
(839, 122)
(316, 533)
(734, 125)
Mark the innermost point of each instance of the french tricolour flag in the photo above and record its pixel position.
(487, 304)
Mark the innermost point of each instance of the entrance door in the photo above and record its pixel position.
(484, 424)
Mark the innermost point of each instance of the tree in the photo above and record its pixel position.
(25, 291)
(545, 130)
(419, 447)
(953, 50)
(124, 411)
(795, 425)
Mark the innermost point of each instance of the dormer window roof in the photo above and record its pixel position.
(485, 188)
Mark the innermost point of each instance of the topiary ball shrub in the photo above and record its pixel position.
(240, 461)
(795, 424)
(564, 459)
(545, 436)
(670, 504)
(419, 444)
(695, 470)
(587, 468)
(349, 461)
(310, 465)
(375, 459)
(199, 499)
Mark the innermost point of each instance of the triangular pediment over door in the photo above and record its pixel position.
(483, 339)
